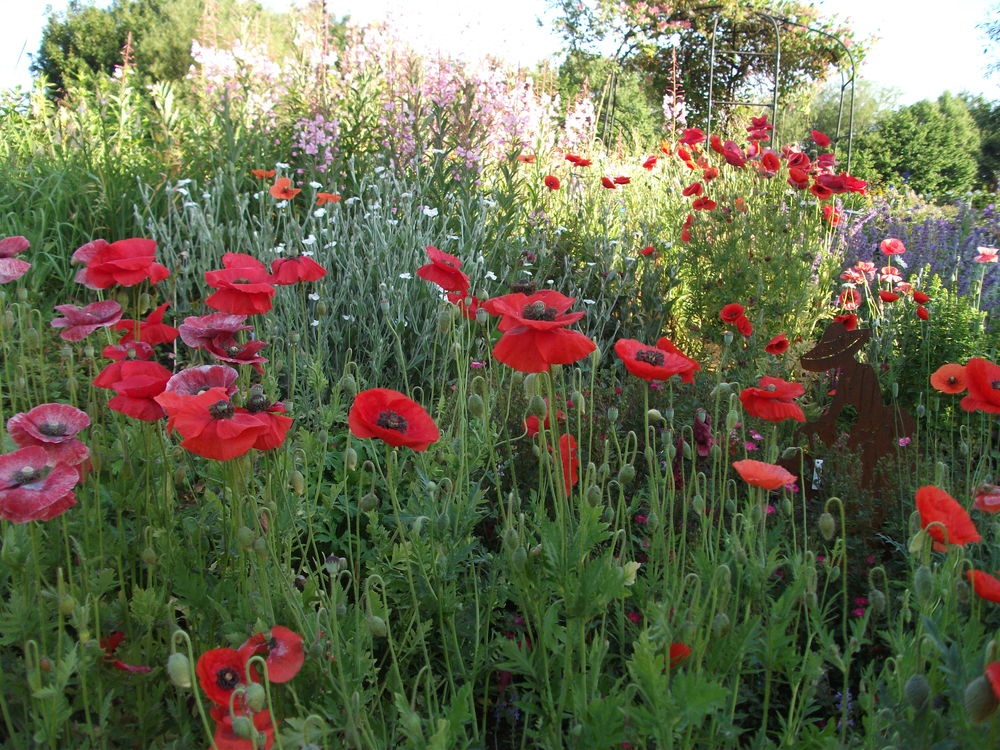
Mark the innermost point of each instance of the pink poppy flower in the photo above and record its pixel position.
(80, 322)
(30, 490)
(195, 380)
(12, 268)
(53, 427)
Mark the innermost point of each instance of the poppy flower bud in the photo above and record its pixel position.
(260, 548)
(669, 451)
(349, 385)
(88, 351)
(923, 584)
(732, 419)
(243, 727)
(827, 526)
(179, 670)
(655, 415)
(721, 625)
(537, 406)
(377, 626)
(698, 504)
(715, 452)
(917, 691)
(368, 502)
(877, 601)
(626, 474)
(962, 592)
(652, 520)
(350, 459)
(149, 556)
(980, 700)
(297, 481)
(519, 557)
(613, 414)
(594, 495)
(244, 537)
(8, 319)
(67, 605)
(322, 309)
(256, 697)
(482, 316)
(476, 406)
(444, 322)
(686, 450)
(810, 600)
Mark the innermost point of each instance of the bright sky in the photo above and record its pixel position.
(921, 53)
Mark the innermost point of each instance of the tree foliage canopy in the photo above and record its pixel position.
(649, 38)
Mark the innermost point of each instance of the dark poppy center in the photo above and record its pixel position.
(221, 410)
(953, 381)
(392, 420)
(538, 310)
(233, 350)
(996, 385)
(26, 475)
(242, 281)
(227, 678)
(650, 357)
(52, 429)
(258, 402)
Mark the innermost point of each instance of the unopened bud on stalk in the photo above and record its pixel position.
(519, 557)
(368, 502)
(149, 556)
(377, 626)
(179, 670)
(298, 482)
(260, 548)
(537, 406)
(349, 385)
(923, 584)
(917, 691)
(721, 625)
(476, 406)
(256, 697)
(350, 459)
(443, 322)
(686, 451)
(827, 525)
(877, 601)
(732, 419)
(698, 504)
(244, 537)
(654, 415)
(626, 474)
(980, 700)
(322, 309)
(594, 495)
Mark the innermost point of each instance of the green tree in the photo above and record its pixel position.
(931, 146)
(647, 38)
(987, 117)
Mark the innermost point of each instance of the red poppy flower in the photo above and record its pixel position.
(152, 330)
(570, 462)
(798, 178)
(392, 417)
(282, 189)
(467, 304)
(773, 400)
(778, 345)
(271, 416)
(288, 271)
(983, 380)
(125, 263)
(850, 299)
(650, 162)
(80, 322)
(12, 268)
(677, 653)
(986, 586)
(938, 509)
(764, 475)
(820, 139)
(949, 378)
(892, 246)
(54, 428)
(535, 336)
(110, 646)
(922, 312)
(130, 350)
(136, 384)
(622, 180)
(225, 736)
(992, 673)
(744, 326)
(692, 136)
(32, 491)
(703, 203)
(987, 498)
(656, 363)
(695, 188)
(848, 320)
(244, 286)
(283, 652)
(831, 215)
(220, 671)
(887, 296)
(577, 161)
(551, 182)
(709, 173)
(820, 191)
(263, 174)
(648, 250)
(323, 198)
(210, 425)
(732, 312)
(526, 158)
(443, 270)
(608, 183)
(920, 297)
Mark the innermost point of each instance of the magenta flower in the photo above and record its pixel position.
(54, 428)
(80, 322)
(195, 380)
(197, 332)
(12, 268)
(30, 491)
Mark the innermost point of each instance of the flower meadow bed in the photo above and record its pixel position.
(411, 442)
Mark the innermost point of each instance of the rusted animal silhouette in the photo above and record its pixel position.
(877, 428)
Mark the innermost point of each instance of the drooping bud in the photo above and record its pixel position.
(827, 525)
(179, 670)
(923, 584)
(350, 459)
(256, 697)
(980, 700)
(377, 626)
(476, 406)
(297, 481)
(917, 691)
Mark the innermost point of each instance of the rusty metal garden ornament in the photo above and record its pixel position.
(877, 429)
